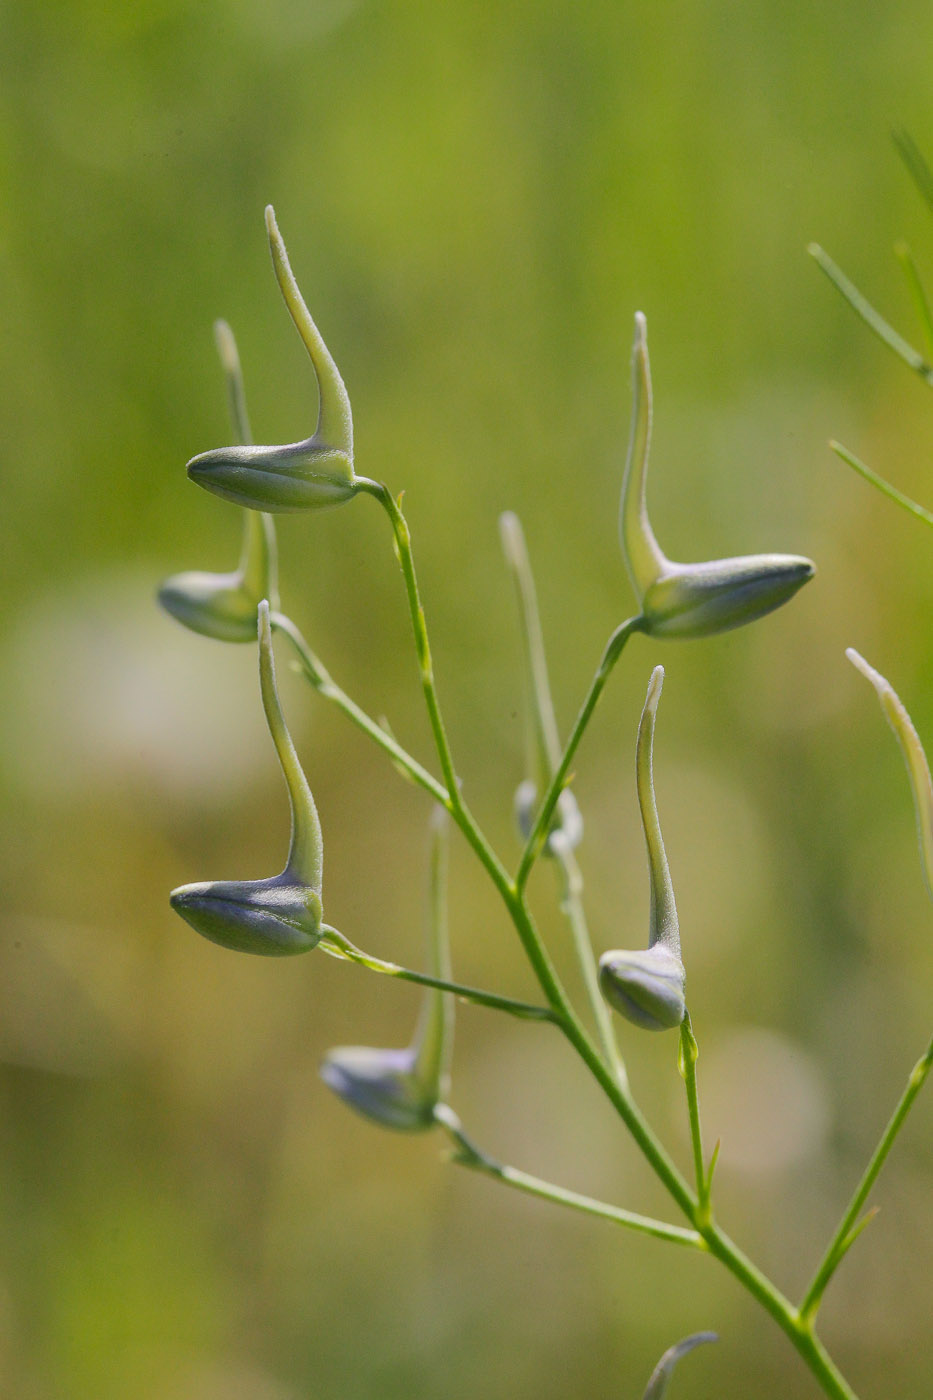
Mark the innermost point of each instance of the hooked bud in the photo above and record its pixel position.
(224, 606)
(661, 1375)
(307, 475)
(401, 1088)
(648, 986)
(918, 770)
(282, 914)
(542, 745)
(689, 600)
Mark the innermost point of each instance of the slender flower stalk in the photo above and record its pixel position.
(850, 1226)
(881, 485)
(872, 318)
(467, 1154)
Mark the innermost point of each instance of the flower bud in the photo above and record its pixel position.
(401, 1088)
(647, 986)
(918, 770)
(224, 606)
(307, 475)
(542, 744)
(566, 831)
(689, 600)
(661, 1375)
(282, 914)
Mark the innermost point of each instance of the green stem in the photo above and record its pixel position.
(314, 671)
(340, 946)
(559, 1009)
(572, 906)
(611, 654)
(535, 951)
(469, 1155)
(422, 646)
(883, 486)
(845, 1234)
(917, 291)
(863, 308)
(688, 1070)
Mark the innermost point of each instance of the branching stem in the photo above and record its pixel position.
(536, 839)
(850, 1226)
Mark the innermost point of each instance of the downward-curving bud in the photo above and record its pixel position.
(918, 770)
(282, 914)
(647, 985)
(401, 1088)
(307, 475)
(224, 606)
(661, 1375)
(689, 600)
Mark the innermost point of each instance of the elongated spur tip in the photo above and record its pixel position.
(271, 225)
(869, 672)
(641, 329)
(226, 345)
(654, 688)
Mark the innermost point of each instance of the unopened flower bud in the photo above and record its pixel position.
(281, 914)
(647, 985)
(542, 744)
(401, 1088)
(690, 600)
(224, 606)
(566, 825)
(307, 475)
(661, 1375)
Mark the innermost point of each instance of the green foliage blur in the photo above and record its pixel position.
(476, 199)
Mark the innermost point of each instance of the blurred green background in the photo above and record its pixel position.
(476, 199)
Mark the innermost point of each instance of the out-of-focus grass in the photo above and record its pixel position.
(476, 199)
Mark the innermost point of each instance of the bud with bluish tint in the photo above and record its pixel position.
(661, 1375)
(307, 475)
(224, 606)
(282, 914)
(542, 745)
(689, 600)
(647, 985)
(401, 1088)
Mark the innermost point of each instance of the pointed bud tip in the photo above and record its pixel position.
(225, 342)
(512, 537)
(655, 686)
(860, 664)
